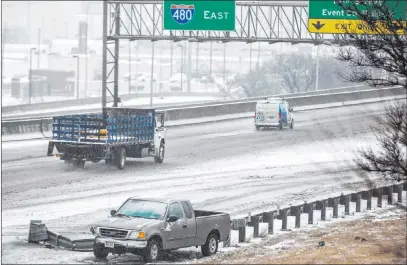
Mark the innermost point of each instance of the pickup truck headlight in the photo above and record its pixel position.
(137, 235)
(94, 230)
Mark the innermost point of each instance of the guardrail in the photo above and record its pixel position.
(285, 219)
(94, 101)
(173, 114)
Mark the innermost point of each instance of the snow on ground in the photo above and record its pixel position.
(308, 157)
(228, 167)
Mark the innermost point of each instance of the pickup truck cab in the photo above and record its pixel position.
(148, 227)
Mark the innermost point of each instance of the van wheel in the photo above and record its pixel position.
(292, 124)
(152, 252)
(211, 245)
(120, 158)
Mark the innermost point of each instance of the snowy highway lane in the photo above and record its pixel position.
(225, 166)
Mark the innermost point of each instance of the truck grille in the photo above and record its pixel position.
(113, 233)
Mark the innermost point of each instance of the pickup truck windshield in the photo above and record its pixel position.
(142, 209)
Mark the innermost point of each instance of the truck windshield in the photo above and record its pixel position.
(142, 209)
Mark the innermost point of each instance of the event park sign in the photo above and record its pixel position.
(327, 16)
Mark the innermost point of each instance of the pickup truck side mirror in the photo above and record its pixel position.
(113, 212)
(172, 219)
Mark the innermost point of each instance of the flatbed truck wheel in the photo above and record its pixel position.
(75, 163)
(120, 158)
(159, 158)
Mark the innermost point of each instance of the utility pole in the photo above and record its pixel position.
(28, 21)
(30, 76)
(210, 59)
(317, 70)
(258, 57)
(130, 75)
(250, 56)
(39, 48)
(2, 51)
(87, 44)
(77, 75)
(152, 75)
(197, 58)
(172, 53)
(224, 63)
(189, 66)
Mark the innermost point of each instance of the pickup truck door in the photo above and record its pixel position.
(175, 232)
(190, 229)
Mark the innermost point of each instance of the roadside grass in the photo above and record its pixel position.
(373, 239)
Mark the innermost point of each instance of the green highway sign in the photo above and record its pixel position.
(328, 17)
(319, 9)
(214, 15)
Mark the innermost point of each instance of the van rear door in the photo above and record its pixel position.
(267, 112)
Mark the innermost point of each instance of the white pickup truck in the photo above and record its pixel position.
(147, 227)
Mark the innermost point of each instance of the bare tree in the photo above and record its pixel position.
(258, 82)
(378, 57)
(391, 134)
(297, 72)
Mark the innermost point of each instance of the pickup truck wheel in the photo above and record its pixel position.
(257, 127)
(161, 152)
(121, 158)
(100, 252)
(211, 245)
(153, 251)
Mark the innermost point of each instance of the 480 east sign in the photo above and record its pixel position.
(215, 15)
(182, 14)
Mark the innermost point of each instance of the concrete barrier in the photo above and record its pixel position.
(96, 100)
(173, 114)
(13, 117)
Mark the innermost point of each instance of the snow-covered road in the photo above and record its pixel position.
(226, 166)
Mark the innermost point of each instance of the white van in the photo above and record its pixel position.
(273, 112)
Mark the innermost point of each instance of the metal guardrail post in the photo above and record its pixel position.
(389, 192)
(283, 216)
(309, 208)
(254, 222)
(268, 217)
(378, 192)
